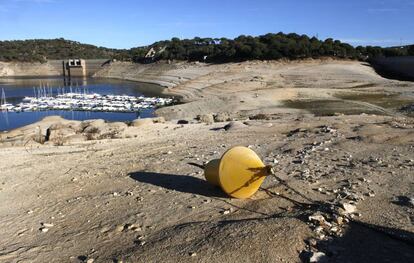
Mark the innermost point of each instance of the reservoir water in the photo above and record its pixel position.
(17, 88)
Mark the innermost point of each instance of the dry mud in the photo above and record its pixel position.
(343, 193)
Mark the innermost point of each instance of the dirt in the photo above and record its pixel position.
(247, 88)
(20, 69)
(136, 198)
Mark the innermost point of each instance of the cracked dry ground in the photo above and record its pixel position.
(138, 199)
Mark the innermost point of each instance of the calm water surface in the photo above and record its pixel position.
(17, 88)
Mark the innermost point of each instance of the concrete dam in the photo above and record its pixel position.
(84, 68)
(78, 67)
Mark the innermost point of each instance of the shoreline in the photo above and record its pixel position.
(250, 88)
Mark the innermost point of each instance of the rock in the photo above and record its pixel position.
(44, 229)
(96, 123)
(221, 117)
(106, 132)
(77, 138)
(118, 125)
(158, 120)
(182, 122)
(39, 135)
(348, 208)
(234, 125)
(136, 228)
(318, 218)
(260, 116)
(91, 260)
(298, 130)
(91, 129)
(119, 228)
(93, 126)
(193, 254)
(225, 212)
(339, 220)
(48, 225)
(206, 118)
(57, 126)
(132, 227)
(318, 257)
(141, 122)
(58, 135)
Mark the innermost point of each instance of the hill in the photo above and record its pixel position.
(243, 48)
(40, 50)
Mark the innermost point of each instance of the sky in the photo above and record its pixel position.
(132, 23)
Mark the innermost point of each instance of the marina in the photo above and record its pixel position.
(27, 100)
(45, 100)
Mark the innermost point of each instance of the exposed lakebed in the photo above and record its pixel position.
(351, 103)
(18, 88)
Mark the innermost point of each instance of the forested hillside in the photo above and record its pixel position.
(45, 49)
(265, 47)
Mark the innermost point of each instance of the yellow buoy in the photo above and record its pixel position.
(211, 172)
(239, 172)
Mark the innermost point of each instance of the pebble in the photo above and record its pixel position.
(44, 229)
(193, 254)
(91, 260)
(318, 257)
(371, 194)
(348, 208)
(225, 212)
(320, 219)
(47, 225)
(334, 229)
(119, 228)
(339, 220)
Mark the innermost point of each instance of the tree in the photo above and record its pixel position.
(411, 50)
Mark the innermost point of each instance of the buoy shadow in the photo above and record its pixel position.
(179, 183)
